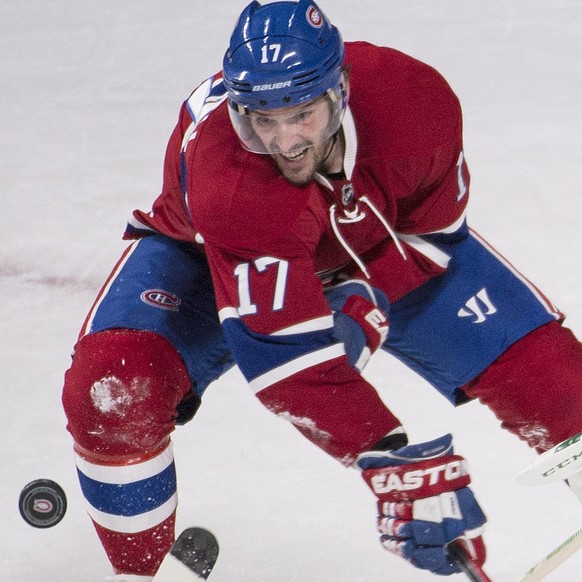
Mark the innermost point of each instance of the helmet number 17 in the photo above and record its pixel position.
(274, 50)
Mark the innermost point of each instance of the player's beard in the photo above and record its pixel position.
(301, 170)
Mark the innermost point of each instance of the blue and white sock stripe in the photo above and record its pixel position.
(135, 523)
(130, 498)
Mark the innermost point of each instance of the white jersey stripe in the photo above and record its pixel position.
(297, 365)
(139, 225)
(451, 228)
(228, 313)
(427, 249)
(317, 324)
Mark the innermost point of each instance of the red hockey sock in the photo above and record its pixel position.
(133, 508)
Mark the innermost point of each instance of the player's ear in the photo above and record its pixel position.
(345, 82)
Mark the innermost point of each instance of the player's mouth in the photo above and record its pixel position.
(294, 155)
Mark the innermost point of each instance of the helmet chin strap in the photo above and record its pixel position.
(331, 146)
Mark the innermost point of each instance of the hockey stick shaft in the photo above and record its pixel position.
(558, 556)
(557, 464)
(470, 568)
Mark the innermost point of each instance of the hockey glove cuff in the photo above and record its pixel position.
(360, 320)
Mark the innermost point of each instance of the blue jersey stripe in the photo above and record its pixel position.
(256, 354)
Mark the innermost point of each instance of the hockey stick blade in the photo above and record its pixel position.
(558, 556)
(191, 558)
(460, 555)
(557, 464)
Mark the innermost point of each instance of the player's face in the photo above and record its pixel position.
(293, 136)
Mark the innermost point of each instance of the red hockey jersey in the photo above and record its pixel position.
(272, 246)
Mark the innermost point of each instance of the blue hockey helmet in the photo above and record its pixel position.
(282, 54)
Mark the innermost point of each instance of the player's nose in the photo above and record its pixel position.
(286, 138)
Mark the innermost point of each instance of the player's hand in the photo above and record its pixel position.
(360, 320)
(424, 503)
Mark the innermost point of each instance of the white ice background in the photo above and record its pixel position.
(89, 93)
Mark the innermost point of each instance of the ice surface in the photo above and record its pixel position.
(89, 92)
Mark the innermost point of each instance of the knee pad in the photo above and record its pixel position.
(121, 392)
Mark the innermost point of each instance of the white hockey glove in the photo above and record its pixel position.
(424, 503)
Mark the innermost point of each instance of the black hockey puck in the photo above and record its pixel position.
(42, 503)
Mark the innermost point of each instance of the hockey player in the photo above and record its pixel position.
(312, 212)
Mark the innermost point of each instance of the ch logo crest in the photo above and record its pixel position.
(161, 299)
(479, 307)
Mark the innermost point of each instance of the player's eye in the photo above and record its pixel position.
(264, 122)
(302, 116)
